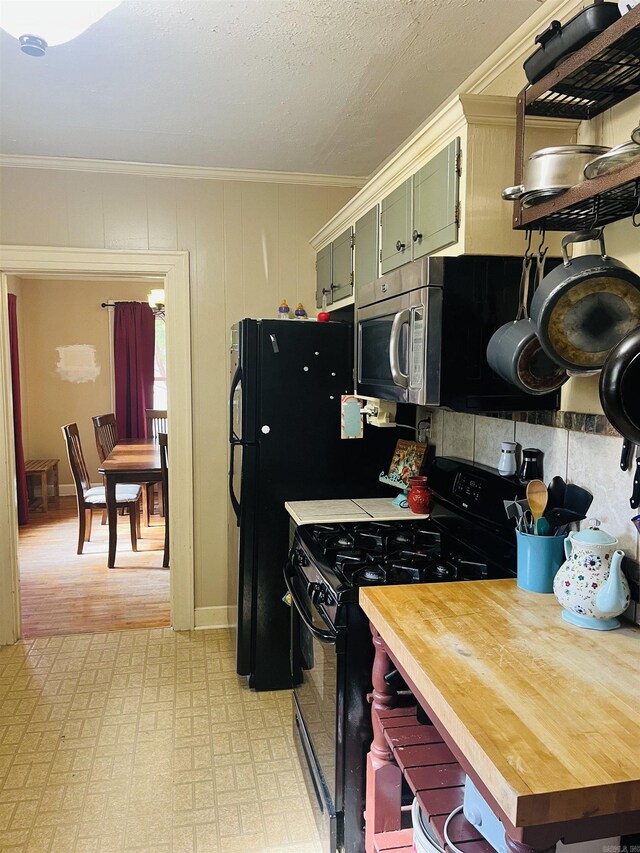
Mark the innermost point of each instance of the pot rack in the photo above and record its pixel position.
(603, 73)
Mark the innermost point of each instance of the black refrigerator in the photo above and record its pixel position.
(285, 445)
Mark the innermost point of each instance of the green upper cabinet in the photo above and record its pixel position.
(323, 275)
(435, 200)
(365, 267)
(342, 266)
(395, 220)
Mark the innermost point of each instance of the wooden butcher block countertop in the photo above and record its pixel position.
(547, 714)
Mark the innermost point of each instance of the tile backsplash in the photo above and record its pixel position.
(590, 460)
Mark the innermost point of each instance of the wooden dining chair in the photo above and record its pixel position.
(164, 467)
(156, 422)
(94, 497)
(106, 432)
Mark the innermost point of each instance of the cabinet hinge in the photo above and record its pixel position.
(457, 214)
(353, 240)
(351, 279)
(380, 223)
(380, 255)
(459, 162)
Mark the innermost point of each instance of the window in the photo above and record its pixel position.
(160, 366)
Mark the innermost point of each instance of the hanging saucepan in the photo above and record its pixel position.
(585, 306)
(620, 395)
(514, 351)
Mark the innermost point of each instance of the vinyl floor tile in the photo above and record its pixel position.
(145, 741)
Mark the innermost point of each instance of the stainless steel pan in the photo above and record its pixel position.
(551, 171)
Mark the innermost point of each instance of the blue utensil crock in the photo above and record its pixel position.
(539, 558)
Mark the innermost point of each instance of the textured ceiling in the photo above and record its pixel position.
(322, 86)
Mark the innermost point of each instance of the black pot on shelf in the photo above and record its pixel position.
(559, 40)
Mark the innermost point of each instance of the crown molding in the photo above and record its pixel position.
(467, 104)
(519, 44)
(449, 121)
(162, 170)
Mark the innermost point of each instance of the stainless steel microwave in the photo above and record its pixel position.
(423, 329)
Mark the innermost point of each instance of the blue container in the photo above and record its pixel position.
(539, 558)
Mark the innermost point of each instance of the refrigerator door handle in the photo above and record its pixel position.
(234, 442)
(237, 378)
(235, 503)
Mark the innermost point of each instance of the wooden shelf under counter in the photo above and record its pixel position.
(542, 715)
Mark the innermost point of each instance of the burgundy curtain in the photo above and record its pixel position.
(21, 477)
(134, 344)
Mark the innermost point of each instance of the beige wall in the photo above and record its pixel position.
(56, 313)
(249, 247)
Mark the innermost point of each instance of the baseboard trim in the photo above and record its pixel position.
(211, 617)
(66, 489)
(69, 490)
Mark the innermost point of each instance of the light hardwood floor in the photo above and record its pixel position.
(66, 593)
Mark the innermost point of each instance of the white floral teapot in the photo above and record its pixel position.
(590, 585)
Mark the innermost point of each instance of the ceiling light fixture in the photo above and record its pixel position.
(38, 25)
(155, 298)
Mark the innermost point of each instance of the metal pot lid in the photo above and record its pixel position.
(619, 156)
(569, 149)
(591, 317)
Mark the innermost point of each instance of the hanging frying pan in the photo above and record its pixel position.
(620, 395)
(584, 307)
(514, 351)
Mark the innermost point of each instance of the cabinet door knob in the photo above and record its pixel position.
(416, 236)
(400, 246)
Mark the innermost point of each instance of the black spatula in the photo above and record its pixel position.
(577, 499)
(556, 493)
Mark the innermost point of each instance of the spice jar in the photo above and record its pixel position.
(419, 497)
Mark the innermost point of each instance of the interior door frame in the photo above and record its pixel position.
(173, 269)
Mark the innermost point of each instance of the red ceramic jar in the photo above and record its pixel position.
(419, 497)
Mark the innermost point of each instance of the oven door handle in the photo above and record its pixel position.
(323, 636)
(401, 379)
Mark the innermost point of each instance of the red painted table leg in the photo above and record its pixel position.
(519, 847)
(384, 778)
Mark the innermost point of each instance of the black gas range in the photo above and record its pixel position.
(467, 538)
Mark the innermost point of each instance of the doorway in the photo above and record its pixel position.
(171, 270)
(65, 331)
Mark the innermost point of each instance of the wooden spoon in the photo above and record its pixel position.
(537, 495)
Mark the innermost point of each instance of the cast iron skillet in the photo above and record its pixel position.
(620, 395)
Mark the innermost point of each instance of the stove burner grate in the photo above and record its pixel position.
(392, 553)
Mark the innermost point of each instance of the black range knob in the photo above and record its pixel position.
(300, 558)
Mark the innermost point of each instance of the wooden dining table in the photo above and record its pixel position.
(134, 460)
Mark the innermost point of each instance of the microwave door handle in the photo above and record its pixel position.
(401, 379)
